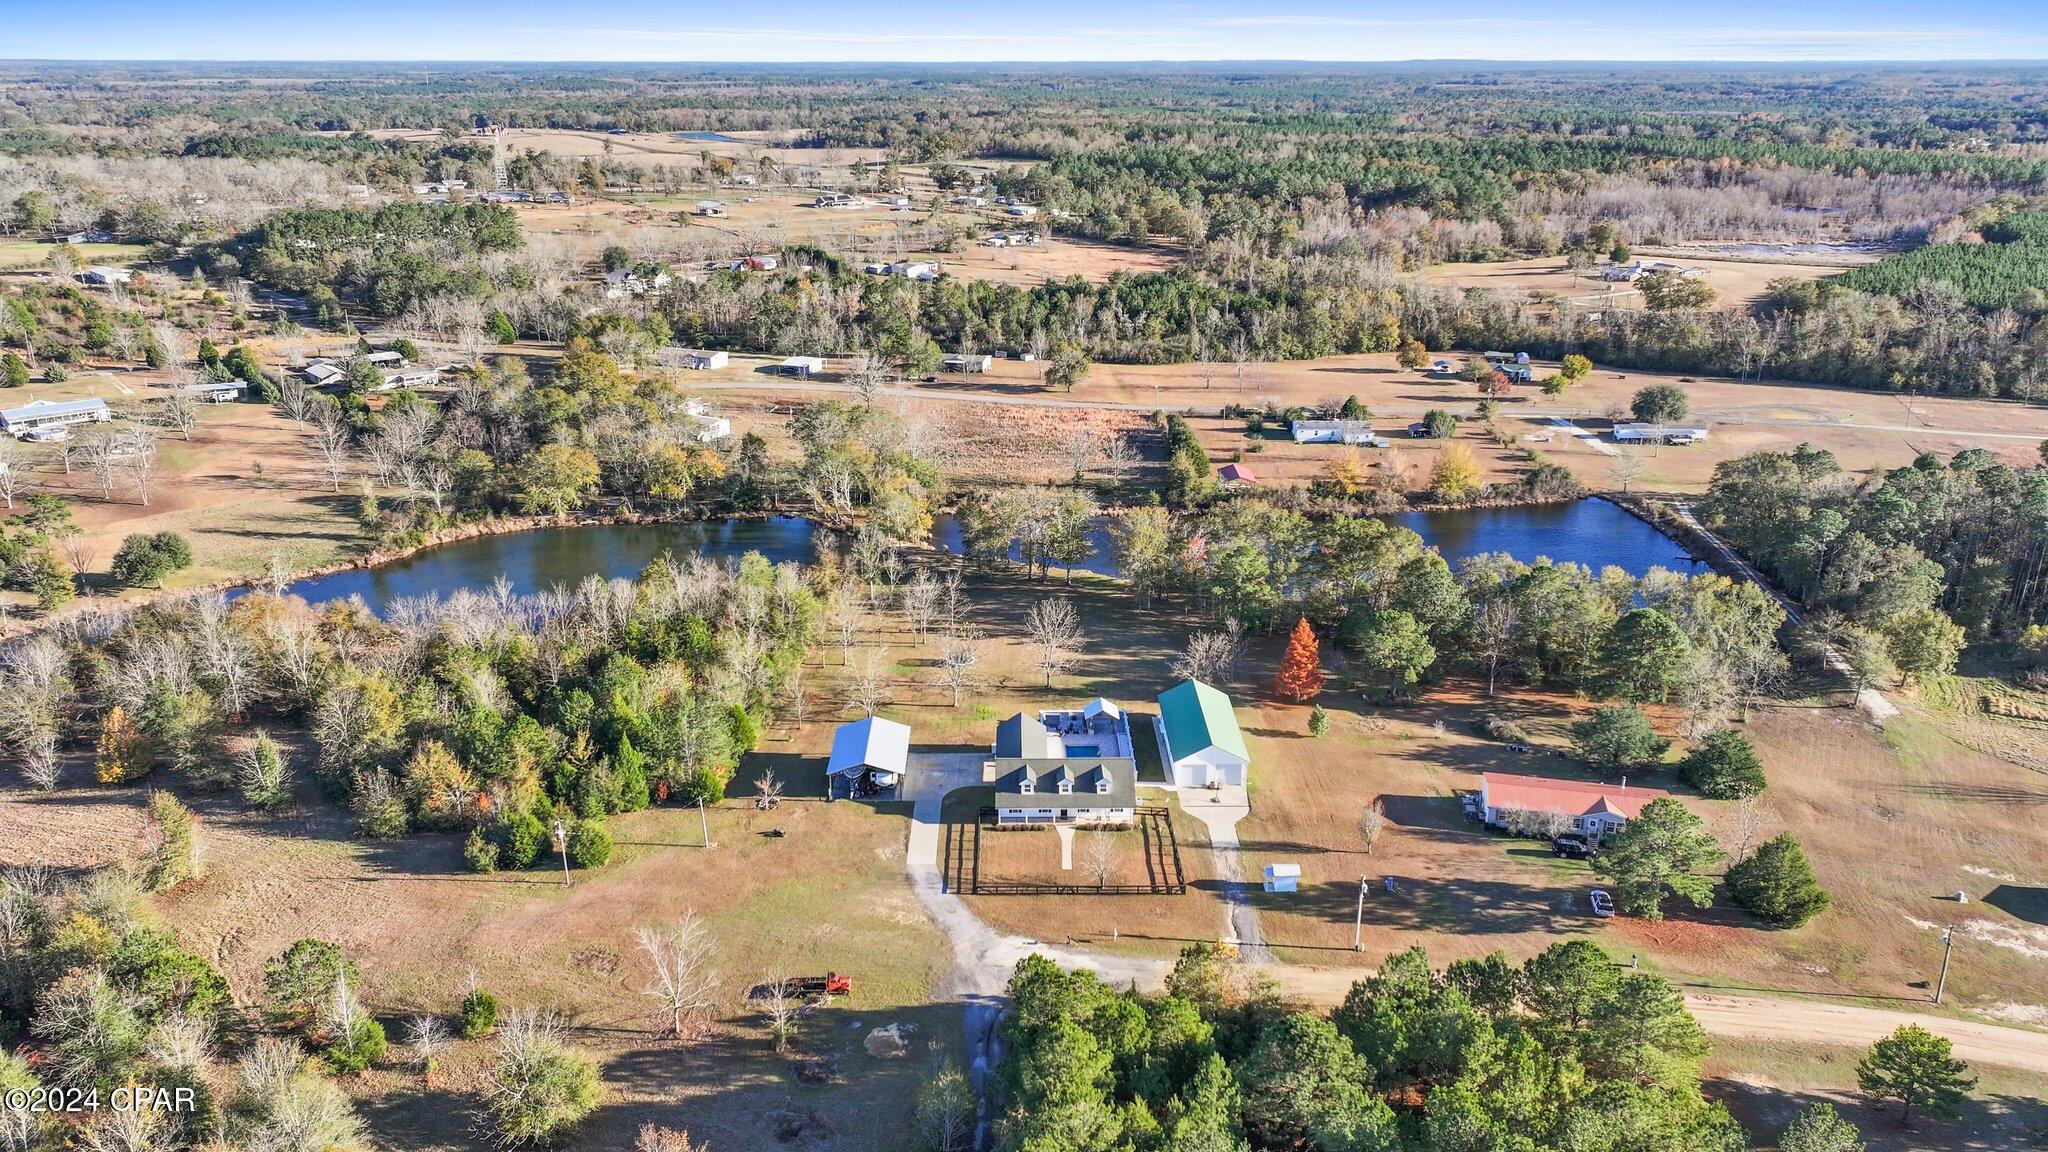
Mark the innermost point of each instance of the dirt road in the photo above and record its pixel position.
(1856, 1026)
(1772, 1018)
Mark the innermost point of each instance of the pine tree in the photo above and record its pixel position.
(1777, 884)
(1915, 1067)
(120, 755)
(1301, 669)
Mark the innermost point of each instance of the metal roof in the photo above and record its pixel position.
(1196, 717)
(869, 743)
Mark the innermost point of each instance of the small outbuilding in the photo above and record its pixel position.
(801, 366)
(967, 362)
(1283, 877)
(1237, 476)
(868, 757)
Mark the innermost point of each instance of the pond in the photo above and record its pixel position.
(1590, 532)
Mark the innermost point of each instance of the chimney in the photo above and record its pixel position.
(1624, 783)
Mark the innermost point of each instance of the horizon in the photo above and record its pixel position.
(922, 32)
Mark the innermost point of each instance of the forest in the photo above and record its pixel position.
(1569, 1050)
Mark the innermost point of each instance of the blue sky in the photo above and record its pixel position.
(965, 30)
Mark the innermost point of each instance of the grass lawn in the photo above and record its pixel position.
(1767, 1083)
(21, 255)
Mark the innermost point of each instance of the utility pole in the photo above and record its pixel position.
(1948, 945)
(562, 846)
(1358, 921)
(703, 822)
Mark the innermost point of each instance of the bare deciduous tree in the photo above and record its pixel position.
(685, 980)
(960, 656)
(922, 598)
(15, 480)
(1054, 629)
(331, 439)
(1372, 820)
(781, 1003)
(866, 374)
(767, 791)
(1210, 656)
(1100, 859)
(425, 1036)
(1628, 468)
(1494, 625)
(867, 681)
(1119, 455)
(140, 461)
(296, 398)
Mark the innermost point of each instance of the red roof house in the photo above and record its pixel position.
(1237, 474)
(1596, 809)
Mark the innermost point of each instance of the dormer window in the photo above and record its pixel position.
(1102, 785)
(1066, 786)
(1027, 785)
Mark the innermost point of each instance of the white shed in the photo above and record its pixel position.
(801, 366)
(1283, 877)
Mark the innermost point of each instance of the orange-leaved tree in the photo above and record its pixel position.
(1301, 669)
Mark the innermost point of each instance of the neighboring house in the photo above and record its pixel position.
(1088, 790)
(766, 262)
(695, 359)
(1021, 211)
(1236, 476)
(1594, 809)
(802, 366)
(915, 269)
(222, 392)
(323, 373)
(967, 362)
(970, 201)
(868, 756)
(1659, 433)
(1200, 742)
(839, 200)
(40, 415)
(1332, 431)
(708, 427)
(386, 359)
(627, 281)
(411, 378)
(106, 276)
(710, 208)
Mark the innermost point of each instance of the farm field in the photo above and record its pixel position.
(1737, 283)
(1864, 429)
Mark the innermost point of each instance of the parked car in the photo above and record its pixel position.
(1603, 904)
(1572, 846)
